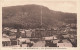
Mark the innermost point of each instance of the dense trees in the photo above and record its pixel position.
(29, 16)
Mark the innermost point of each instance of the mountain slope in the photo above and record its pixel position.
(29, 16)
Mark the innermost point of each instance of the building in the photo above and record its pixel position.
(56, 41)
(64, 45)
(24, 41)
(6, 42)
(66, 36)
(28, 33)
(13, 30)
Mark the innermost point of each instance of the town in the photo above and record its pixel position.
(64, 36)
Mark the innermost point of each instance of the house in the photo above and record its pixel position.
(24, 41)
(48, 38)
(56, 41)
(73, 30)
(6, 28)
(13, 30)
(12, 37)
(56, 28)
(65, 41)
(72, 39)
(4, 35)
(55, 37)
(22, 33)
(66, 36)
(28, 33)
(71, 36)
(64, 45)
(6, 42)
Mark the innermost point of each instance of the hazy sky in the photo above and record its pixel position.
(64, 6)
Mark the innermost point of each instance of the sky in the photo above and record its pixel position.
(57, 5)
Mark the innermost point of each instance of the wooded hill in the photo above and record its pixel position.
(29, 16)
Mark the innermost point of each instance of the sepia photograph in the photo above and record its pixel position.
(39, 23)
